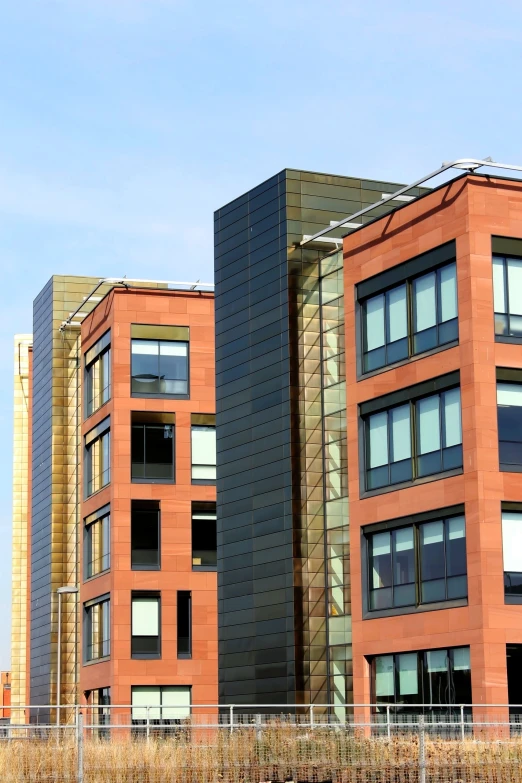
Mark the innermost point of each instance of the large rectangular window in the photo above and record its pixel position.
(152, 447)
(160, 367)
(416, 316)
(435, 678)
(421, 563)
(97, 457)
(507, 296)
(160, 705)
(98, 374)
(204, 537)
(203, 443)
(96, 625)
(146, 625)
(509, 409)
(145, 535)
(184, 613)
(97, 542)
(418, 438)
(512, 552)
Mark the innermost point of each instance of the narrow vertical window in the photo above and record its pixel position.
(203, 443)
(97, 458)
(184, 624)
(204, 537)
(97, 542)
(512, 553)
(98, 374)
(145, 535)
(97, 628)
(509, 409)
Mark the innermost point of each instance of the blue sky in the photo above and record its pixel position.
(125, 123)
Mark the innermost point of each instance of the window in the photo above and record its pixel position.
(509, 409)
(507, 296)
(98, 374)
(97, 457)
(101, 715)
(159, 365)
(97, 542)
(203, 438)
(512, 551)
(184, 624)
(145, 535)
(97, 628)
(146, 624)
(154, 704)
(432, 678)
(204, 537)
(419, 564)
(410, 318)
(152, 447)
(419, 438)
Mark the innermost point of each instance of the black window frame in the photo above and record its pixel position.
(88, 644)
(428, 706)
(511, 596)
(158, 395)
(382, 285)
(415, 523)
(511, 377)
(202, 508)
(137, 654)
(96, 436)
(184, 601)
(100, 517)
(94, 356)
(150, 507)
(411, 397)
(152, 479)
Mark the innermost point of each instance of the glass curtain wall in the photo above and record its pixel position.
(324, 534)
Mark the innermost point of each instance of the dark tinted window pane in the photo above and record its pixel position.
(455, 547)
(513, 583)
(448, 331)
(375, 359)
(397, 351)
(400, 471)
(204, 540)
(377, 477)
(510, 423)
(159, 451)
(452, 457)
(184, 623)
(145, 645)
(145, 367)
(138, 451)
(424, 341)
(432, 550)
(145, 537)
(429, 463)
(436, 690)
(457, 587)
(173, 367)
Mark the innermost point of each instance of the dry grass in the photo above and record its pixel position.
(279, 753)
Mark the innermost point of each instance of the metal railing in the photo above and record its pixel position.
(260, 743)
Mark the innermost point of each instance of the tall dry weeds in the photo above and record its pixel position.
(276, 753)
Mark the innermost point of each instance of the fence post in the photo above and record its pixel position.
(148, 724)
(388, 727)
(462, 722)
(259, 732)
(80, 747)
(231, 713)
(422, 750)
(312, 716)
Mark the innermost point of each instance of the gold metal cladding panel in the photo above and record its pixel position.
(19, 672)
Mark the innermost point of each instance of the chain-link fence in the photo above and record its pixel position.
(232, 745)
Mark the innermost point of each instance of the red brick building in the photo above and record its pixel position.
(434, 372)
(148, 594)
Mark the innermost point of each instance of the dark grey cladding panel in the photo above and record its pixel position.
(253, 404)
